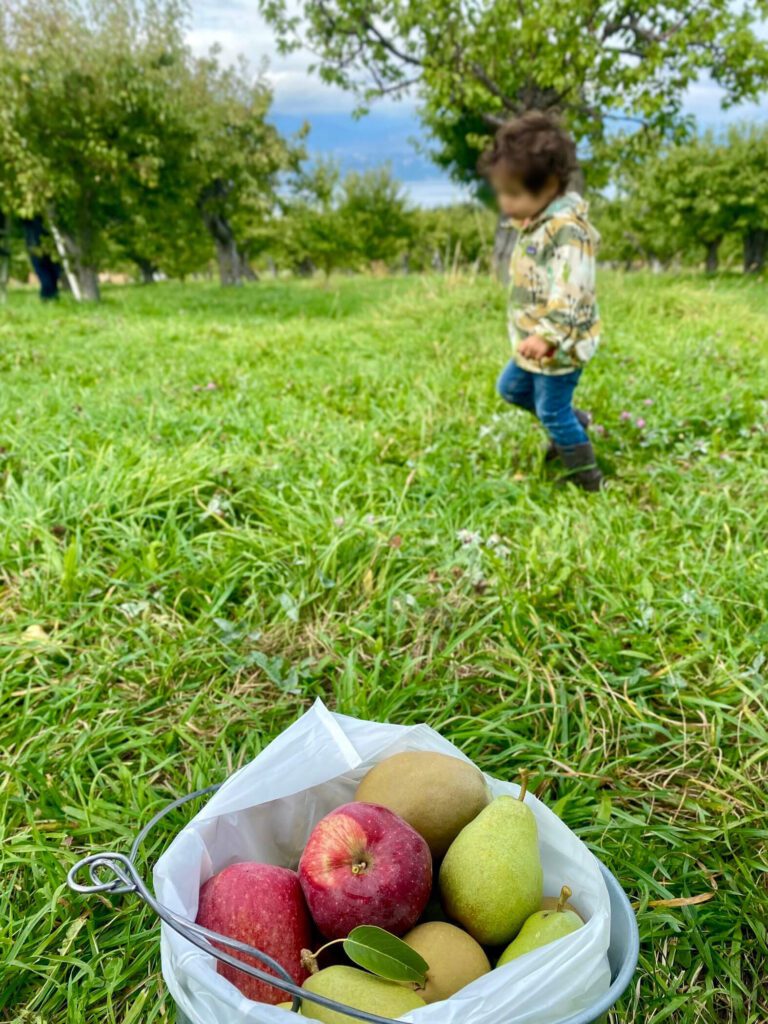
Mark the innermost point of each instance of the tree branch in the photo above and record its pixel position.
(483, 77)
(388, 45)
(492, 120)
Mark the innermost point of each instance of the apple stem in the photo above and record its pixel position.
(565, 895)
(523, 784)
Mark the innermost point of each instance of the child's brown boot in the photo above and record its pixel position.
(584, 419)
(582, 468)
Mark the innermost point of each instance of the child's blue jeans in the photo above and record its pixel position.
(547, 397)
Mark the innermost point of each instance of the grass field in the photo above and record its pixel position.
(217, 506)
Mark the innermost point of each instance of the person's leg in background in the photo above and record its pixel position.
(553, 401)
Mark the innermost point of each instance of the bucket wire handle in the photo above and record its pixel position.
(126, 878)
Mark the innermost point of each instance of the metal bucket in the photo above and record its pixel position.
(126, 878)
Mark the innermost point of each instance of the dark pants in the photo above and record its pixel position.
(547, 397)
(47, 270)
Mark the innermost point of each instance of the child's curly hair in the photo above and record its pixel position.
(532, 148)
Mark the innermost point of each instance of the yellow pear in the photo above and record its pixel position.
(435, 793)
(454, 958)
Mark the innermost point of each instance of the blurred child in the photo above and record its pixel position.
(554, 324)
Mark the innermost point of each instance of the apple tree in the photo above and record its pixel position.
(90, 114)
(472, 64)
(237, 159)
(329, 222)
(690, 196)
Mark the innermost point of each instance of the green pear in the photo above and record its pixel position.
(491, 878)
(359, 989)
(542, 928)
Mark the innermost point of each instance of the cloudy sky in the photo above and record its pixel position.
(388, 132)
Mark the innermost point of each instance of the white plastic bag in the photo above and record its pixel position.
(266, 811)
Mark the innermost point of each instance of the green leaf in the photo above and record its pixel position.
(69, 567)
(605, 809)
(560, 805)
(385, 955)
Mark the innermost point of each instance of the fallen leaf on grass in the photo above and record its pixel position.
(683, 901)
(72, 932)
(36, 634)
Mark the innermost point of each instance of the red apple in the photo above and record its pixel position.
(364, 865)
(262, 905)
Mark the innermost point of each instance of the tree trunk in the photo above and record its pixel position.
(305, 267)
(230, 271)
(5, 255)
(82, 247)
(147, 269)
(76, 258)
(227, 253)
(755, 244)
(88, 279)
(85, 288)
(713, 255)
(248, 272)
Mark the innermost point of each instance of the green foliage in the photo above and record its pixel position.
(238, 155)
(452, 236)
(311, 230)
(475, 64)
(124, 140)
(373, 205)
(688, 197)
(331, 223)
(90, 108)
(349, 512)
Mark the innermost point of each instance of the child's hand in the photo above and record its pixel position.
(535, 348)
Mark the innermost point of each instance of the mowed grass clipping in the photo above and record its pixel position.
(218, 506)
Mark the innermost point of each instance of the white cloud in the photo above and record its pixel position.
(704, 99)
(238, 29)
(435, 192)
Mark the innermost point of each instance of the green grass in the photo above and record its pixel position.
(204, 562)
